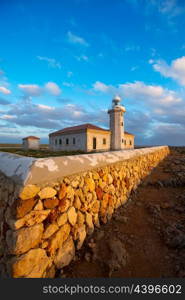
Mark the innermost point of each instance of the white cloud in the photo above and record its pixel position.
(134, 68)
(68, 84)
(154, 95)
(75, 39)
(151, 61)
(7, 117)
(151, 94)
(26, 113)
(51, 62)
(172, 8)
(82, 57)
(101, 87)
(36, 90)
(30, 89)
(69, 74)
(132, 48)
(175, 70)
(53, 88)
(4, 90)
(46, 107)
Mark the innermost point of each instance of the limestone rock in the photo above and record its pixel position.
(51, 202)
(70, 192)
(89, 197)
(63, 191)
(63, 205)
(99, 193)
(90, 183)
(72, 216)
(53, 215)
(96, 176)
(32, 218)
(79, 193)
(50, 230)
(80, 218)
(77, 203)
(47, 192)
(39, 205)
(30, 265)
(81, 236)
(102, 185)
(29, 191)
(44, 244)
(96, 220)
(50, 272)
(105, 201)
(85, 207)
(89, 223)
(74, 232)
(81, 183)
(59, 238)
(23, 207)
(109, 179)
(66, 180)
(24, 239)
(95, 206)
(65, 254)
(62, 219)
(75, 183)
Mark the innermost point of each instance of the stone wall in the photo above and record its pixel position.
(47, 210)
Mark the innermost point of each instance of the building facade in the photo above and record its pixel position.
(88, 137)
(31, 142)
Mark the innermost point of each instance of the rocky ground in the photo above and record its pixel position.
(146, 236)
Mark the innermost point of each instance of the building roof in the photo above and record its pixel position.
(81, 128)
(126, 132)
(31, 137)
(78, 128)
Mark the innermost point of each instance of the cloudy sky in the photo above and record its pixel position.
(61, 62)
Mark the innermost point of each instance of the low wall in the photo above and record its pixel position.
(48, 206)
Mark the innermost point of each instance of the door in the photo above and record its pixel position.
(94, 143)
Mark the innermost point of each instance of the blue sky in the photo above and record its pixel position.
(61, 62)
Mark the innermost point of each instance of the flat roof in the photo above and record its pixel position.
(31, 137)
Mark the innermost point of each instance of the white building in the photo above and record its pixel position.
(31, 142)
(88, 137)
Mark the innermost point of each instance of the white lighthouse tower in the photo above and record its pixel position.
(117, 124)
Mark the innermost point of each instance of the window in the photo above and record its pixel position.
(60, 141)
(104, 141)
(55, 141)
(130, 142)
(121, 123)
(122, 140)
(67, 141)
(74, 141)
(125, 142)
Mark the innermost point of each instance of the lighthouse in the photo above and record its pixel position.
(117, 124)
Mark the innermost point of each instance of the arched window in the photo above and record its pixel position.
(60, 141)
(104, 141)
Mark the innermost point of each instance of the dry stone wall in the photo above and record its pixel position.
(44, 224)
